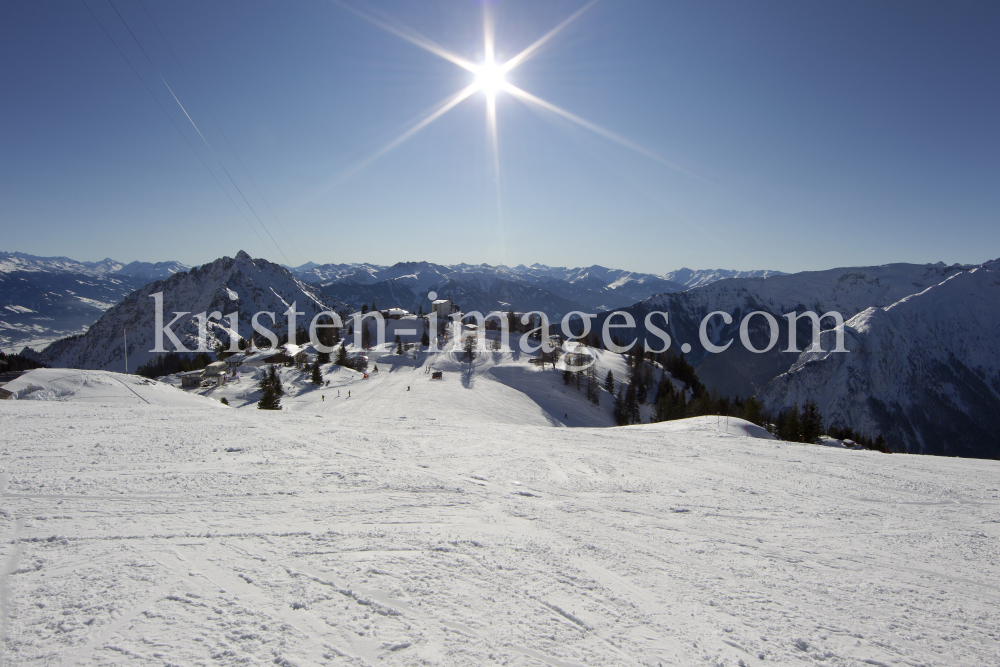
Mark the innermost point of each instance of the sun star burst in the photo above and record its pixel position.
(490, 78)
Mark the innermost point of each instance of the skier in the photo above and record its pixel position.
(338, 393)
(322, 397)
(407, 387)
(348, 393)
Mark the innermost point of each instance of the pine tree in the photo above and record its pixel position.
(399, 345)
(632, 412)
(790, 428)
(811, 423)
(593, 385)
(665, 387)
(270, 384)
(275, 382)
(621, 417)
(223, 401)
(342, 356)
(425, 338)
(470, 348)
(317, 377)
(265, 381)
(269, 400)
(664, 406)
(609, 382)
(366, 336)
(753, 411)
(326, 338)
(641, 393)
(567, 377)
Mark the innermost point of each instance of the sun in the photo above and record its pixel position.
(489, 78)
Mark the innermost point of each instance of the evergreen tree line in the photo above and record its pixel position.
(168, 364)
(587, 381)
(694, 400)
(15, 362)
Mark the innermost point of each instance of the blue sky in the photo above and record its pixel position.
(810, 135)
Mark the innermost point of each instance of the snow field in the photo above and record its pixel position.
(497, 387)
(102, 387)
(151, 534)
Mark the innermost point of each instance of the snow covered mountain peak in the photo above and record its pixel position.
(241, 284)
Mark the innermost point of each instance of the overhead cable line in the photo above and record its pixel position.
(219, 127)
(195, 126)
(170, 118)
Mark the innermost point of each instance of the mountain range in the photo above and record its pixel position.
(43, 299)
(923, 371)
(482, 287)
(923, 339)
(741, 372)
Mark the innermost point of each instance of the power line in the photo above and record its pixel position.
(170, 118)
(219, 127)
(195, 126)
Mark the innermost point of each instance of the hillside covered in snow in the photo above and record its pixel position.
(227, 285)
(923, 371)
(741, 372)
(43, 299)
(457, 521)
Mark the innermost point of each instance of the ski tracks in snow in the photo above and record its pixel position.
(244, 538)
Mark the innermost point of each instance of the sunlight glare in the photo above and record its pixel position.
(489, 78)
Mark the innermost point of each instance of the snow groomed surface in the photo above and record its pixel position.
(469, 527)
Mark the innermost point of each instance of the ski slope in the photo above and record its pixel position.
(156, 534)
(101, 387)
(502, 387)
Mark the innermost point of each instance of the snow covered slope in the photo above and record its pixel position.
(698, 278)
(738, 371)
(226, 285)
(136, 535)
(924, 371)
(39, 306)
(79, 386)
(152, 271)
(43, 299)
